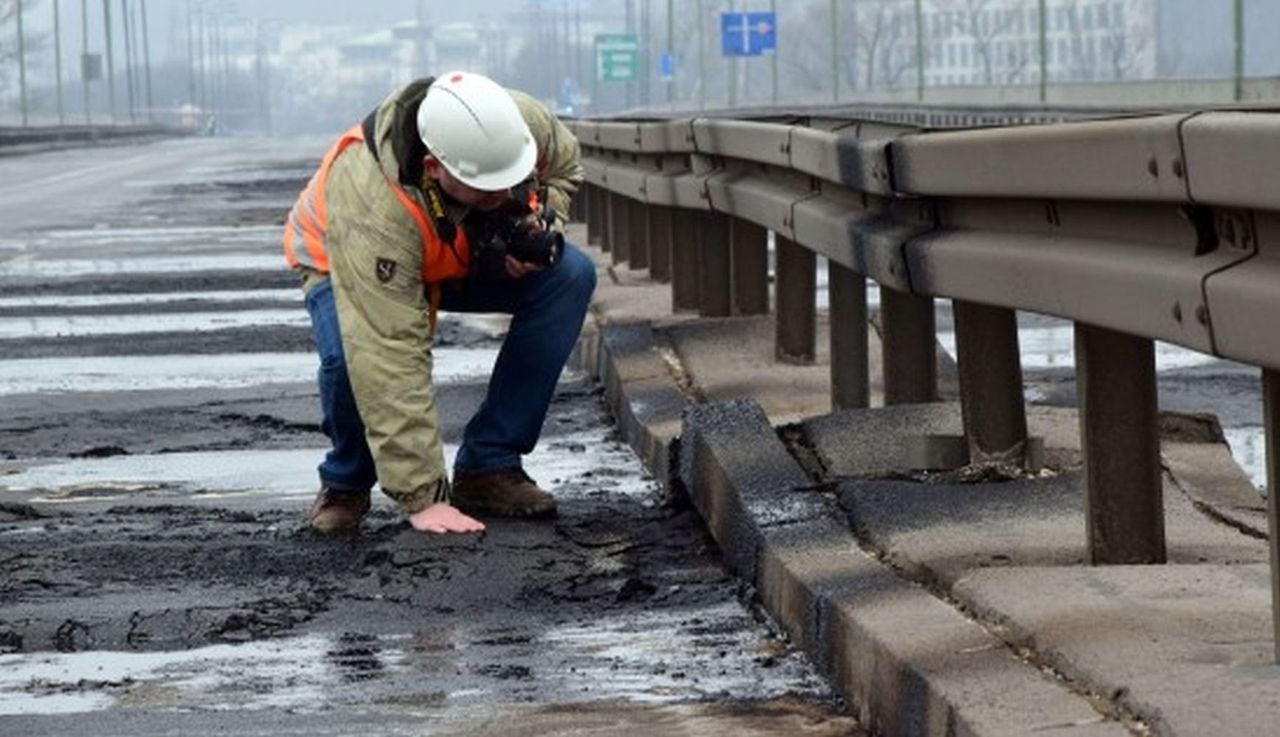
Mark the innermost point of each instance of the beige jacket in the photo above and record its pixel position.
(384, 321)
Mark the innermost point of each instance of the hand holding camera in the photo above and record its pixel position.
(514, 241)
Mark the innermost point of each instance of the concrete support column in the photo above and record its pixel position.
(1119, 434)
(714, 267)
(685, 247)
(794, 293)
(850, 375)
(995, 415)
(1271, 418)
(909, 346)
(638, 244)
(750, 268)
(619, 228)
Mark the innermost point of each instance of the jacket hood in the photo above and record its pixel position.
(400, 148)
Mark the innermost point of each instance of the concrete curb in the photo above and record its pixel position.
(908, 663)
(16, 140)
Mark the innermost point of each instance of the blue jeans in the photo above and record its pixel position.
(547, 311)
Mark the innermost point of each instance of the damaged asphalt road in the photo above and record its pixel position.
(158, 438)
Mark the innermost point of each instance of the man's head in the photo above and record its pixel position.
(478, 144)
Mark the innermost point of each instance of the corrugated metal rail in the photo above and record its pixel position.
(1138, 228)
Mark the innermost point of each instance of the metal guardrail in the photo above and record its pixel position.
(64, 134)
(1141, 228)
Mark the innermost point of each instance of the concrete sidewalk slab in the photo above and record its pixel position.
(872, 442)
(1188, 647)
(910, 663)
(733, 358)
(941, 532)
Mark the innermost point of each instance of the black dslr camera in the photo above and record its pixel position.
(510, 231)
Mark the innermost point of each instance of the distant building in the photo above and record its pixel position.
(983, 42)
(327, 74)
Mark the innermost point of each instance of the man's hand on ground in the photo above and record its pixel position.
(444, 518)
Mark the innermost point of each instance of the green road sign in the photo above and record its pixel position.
(617, 57)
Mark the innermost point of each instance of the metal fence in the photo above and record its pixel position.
(1139, 228)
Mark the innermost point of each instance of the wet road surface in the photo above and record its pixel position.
(158, 438)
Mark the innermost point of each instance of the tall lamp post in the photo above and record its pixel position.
(920, 56)
(1044, 52)
(22, 67)
(1239, 49)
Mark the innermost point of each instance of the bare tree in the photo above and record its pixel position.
(9, 42)
(989, 26)
(1122, 44)
(884, 38)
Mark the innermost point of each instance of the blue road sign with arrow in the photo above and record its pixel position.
(748, 34)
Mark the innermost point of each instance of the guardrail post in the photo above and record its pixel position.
(578, 208)
(638, 244)
(794, 292)
(750, 268)
(1119, 434)
(1271, 417)
(995, 415)
(619, 227)
(909, 347)
(660, 243)
(685, 239)
(850, 377)
(597, 215)
(714, 275)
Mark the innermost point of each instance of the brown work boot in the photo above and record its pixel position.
(337, 510)
(508, 492)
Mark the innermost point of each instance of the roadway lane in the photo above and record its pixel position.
(158, 438)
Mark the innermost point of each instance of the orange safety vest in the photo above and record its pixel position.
(309, 219)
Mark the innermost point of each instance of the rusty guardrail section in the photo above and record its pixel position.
(1142, 228)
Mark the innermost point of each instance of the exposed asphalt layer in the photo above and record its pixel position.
(167, 608)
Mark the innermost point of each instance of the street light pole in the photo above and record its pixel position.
(57, 60)
(22, 67)
(733, 71)
(835, 53)
(84, 58)
(111, 64)
(1239, 49)
(128, 59)
(191, 58)
(671, 53)
(146, 59)
(920, 55)
(1044, 52)
(702, 60)
(631, 29)
(773, 62)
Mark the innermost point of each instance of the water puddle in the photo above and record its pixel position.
(226, 371)
(49, 326)
(577, 465)
(164, 236)
(1249, 448)
(79, 301)
(1054, 347)
(30, 268)
(660, 657)
(271, 673)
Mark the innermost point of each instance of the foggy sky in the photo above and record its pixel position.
(167, 18)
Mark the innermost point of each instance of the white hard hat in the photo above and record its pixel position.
(474, 128)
